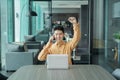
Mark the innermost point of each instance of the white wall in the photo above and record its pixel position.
(17, 20)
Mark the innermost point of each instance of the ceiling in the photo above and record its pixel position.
(68, 4)
(63, 4)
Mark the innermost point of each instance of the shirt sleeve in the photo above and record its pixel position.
(43, 54)
(76, 36)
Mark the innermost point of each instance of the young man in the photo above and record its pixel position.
(61, 47)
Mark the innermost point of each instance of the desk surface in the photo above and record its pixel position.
(76, 72)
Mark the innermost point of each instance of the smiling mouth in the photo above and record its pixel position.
(58, 39)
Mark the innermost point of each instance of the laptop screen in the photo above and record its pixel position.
(57, 61)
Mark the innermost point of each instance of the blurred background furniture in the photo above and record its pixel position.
(116, 73)
(23, 53)
(42, 37)
(35, 48)
(35, 43)
(15, 60)
(16, 57)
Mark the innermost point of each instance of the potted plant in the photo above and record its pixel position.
(116, 36)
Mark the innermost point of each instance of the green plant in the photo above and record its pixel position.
(116, 35)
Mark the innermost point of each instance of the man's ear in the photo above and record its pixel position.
(53, 36)
(64, 36)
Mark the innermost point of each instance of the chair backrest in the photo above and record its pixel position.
(116, 73)
(29, 38)
(42, 37)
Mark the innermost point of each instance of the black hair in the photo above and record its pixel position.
(59, 28)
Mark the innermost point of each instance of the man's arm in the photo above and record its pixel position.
(77, 33)
(76, 36)
(43, 54)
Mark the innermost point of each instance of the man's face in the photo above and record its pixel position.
(58, 34)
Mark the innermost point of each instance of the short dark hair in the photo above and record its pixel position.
(59, 28)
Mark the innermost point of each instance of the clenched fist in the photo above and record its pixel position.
(72, 20)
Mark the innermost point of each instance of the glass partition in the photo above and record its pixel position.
(112, 33)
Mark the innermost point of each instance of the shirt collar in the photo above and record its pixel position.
(59, 43)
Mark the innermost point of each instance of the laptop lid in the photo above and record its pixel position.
(57, 61)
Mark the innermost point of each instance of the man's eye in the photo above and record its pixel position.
(61, 34)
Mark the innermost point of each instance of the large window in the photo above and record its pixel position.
(10, 20)
(43, 20)
(20, 22)
(0, 34)
(106, 28)
(23, 18)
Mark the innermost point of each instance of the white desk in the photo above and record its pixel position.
(76, 72)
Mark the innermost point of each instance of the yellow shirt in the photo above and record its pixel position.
(61, 47)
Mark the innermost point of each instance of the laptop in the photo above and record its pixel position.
(57, 61)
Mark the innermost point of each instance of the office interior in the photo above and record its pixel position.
(28, 24)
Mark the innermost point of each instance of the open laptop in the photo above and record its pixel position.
(57, 61)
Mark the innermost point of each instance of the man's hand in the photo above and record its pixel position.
(51, 38)
(72, 20)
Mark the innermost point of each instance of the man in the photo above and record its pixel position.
(60, 46)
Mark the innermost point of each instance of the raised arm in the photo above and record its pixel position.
(77, 33)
